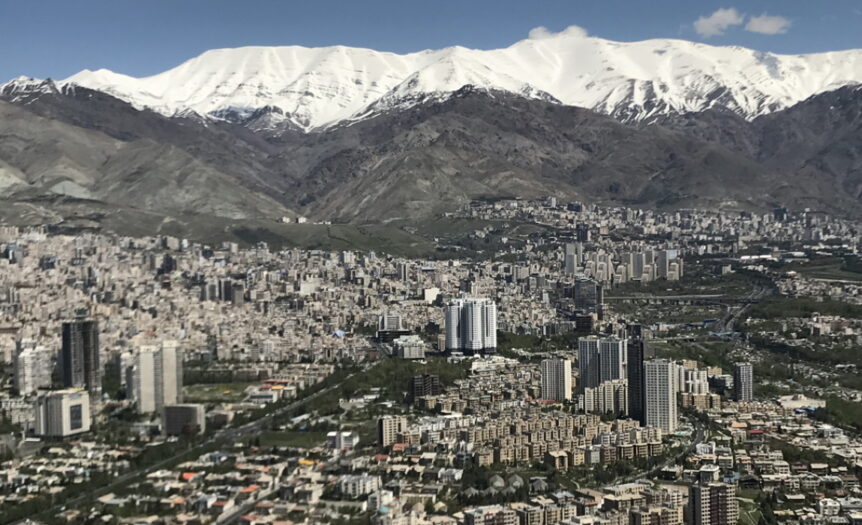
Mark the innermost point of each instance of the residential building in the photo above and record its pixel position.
(471, 325)
(660, 387)
(713, 504)
(388, 428)
(155, 378)
(32, 367)
(557, 379)
(743, 382)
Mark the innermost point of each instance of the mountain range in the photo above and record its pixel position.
(360, 136)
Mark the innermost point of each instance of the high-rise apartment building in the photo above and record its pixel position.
(570, 259)
(713, 504)
(557, 379)
(610, 397)
(743, 382)
(613, 359)
(660, 388)
(471, 326)
(156, 377)
(601, 359)
(141, 380)
(694, 382)
(388, 428)
(424, 385)
(79, 357)
(32, 367)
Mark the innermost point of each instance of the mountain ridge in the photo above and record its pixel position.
(317, 88)
(413, 163)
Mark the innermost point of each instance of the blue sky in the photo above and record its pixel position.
(52, 38)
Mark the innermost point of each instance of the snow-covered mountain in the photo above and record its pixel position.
(317, 87)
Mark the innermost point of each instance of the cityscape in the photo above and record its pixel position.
(430, 263)
(545, 382)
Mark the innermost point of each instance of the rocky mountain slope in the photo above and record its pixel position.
(415, 162)
(46, 157)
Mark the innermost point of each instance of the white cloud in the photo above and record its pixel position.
(718, 22)
(542, 32)
(768, 25)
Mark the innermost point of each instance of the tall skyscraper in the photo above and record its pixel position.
(401, 271)
(570, 258)
(601, 359)
(668, 265)
(557, 379)
(613, 359)
(637, 351)
(743, 382)
(79, 357)
(660, 388)
(471, 325)
(141, 380)
(170, 377)
(713, 504)
(155, 378)
(588, 363)
(589, 295)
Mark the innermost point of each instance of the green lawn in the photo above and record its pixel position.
(829, 268)
(215, 392)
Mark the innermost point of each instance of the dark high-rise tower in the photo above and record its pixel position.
(638, 351)
(79, 357)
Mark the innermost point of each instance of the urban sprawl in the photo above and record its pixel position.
(565, 364)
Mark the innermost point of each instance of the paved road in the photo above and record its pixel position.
(726, 324)
(224, 435)
(668, 297)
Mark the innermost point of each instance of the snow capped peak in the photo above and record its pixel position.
(318, 87)
(27, 84)
(27, 88)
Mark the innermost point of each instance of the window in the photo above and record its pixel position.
(76, 418)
